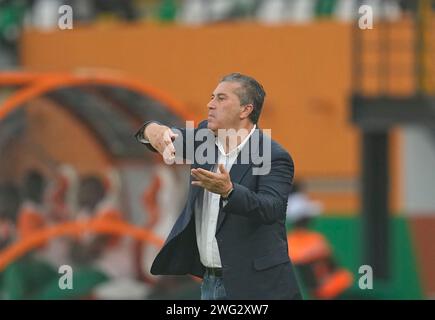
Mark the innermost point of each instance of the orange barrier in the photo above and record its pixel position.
(17, 78)
(39, 84)
(34, 240)
(305, 246)
(337, 283)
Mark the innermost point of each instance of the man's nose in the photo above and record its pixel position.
(210, 105)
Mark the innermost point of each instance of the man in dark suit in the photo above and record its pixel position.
(232, 230)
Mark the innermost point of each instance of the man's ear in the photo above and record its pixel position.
(247, 110)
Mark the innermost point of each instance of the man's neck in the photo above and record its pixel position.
(235, 137)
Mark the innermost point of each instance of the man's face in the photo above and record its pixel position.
(224, 107)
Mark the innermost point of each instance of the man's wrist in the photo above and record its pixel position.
(227, 194)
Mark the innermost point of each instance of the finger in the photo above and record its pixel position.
(208, 174)
(222, 169)
(167, 137)
(198, 184)
(199, 176)
(171, 148)
(168, 156)
(169, 160)
(203, 177)
(194, 173)
(168, 151)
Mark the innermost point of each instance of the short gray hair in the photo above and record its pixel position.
(250, 92)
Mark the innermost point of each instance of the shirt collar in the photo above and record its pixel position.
(238, 148)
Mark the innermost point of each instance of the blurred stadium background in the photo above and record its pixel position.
(355, 108)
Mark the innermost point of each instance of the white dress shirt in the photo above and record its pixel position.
(206, 213)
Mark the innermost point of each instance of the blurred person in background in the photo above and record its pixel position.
(162, 200)
(25, 277)
(61, 207)
(44, 14)
(90, 196)
(84, 10)
(62, 196)
(106, 261)
(124, 9)
(311, 252)
(12, 13)
(9, 205)
(232, 231)
(32, 215)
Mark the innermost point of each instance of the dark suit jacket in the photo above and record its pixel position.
(250, 232)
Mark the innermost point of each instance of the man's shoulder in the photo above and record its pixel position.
(278, 151)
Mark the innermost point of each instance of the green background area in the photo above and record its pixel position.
(31, 279)
(343, 232)
(345, 236)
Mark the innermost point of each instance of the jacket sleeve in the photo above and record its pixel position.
(269, 203)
